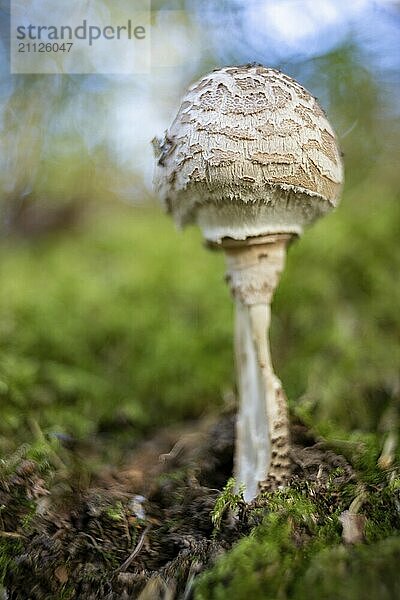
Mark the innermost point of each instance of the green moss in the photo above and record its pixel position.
(228, 500)
(126, 324)
(348, 573)
(335, 324)
(298, 541)
(116, 512)
(256, 567)
(9, 549)
(108, 329)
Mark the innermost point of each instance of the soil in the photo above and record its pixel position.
(144, 531)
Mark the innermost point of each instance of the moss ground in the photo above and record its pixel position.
(122, 326)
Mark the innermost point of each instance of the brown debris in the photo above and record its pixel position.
(93, 543)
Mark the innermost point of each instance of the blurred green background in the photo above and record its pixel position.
(112, 323)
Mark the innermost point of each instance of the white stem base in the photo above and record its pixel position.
(253, 447)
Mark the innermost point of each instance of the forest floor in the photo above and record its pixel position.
(149, 529)
(116, 351)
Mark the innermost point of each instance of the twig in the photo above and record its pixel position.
(135, 552)
(387, 456)
(95, 544)
(178, 447)
(11, 534)
(358, 501)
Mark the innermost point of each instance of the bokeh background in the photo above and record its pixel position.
(112, 323)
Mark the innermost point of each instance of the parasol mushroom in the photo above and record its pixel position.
(252, 159)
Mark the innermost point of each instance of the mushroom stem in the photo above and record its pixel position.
(262, 450)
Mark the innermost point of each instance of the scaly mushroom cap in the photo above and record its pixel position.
(249, 153)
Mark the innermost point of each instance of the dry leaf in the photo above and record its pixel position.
(61, 574)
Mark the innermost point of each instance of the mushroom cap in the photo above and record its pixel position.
(249, 153)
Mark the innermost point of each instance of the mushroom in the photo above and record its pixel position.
(252, 159)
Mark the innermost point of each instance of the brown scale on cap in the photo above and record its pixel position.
(242, 135)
